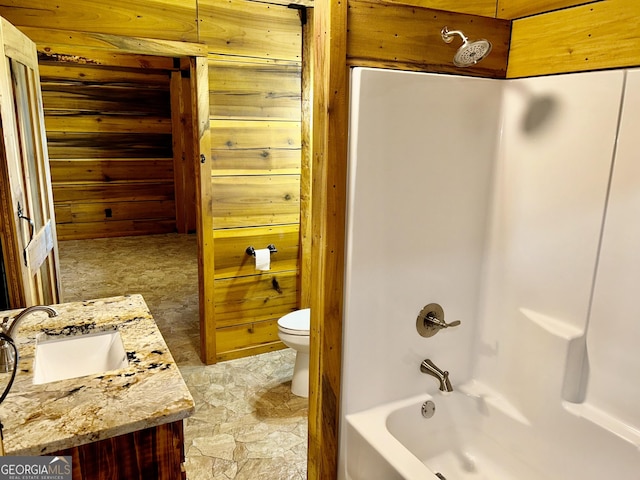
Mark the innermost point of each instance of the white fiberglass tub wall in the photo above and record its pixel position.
(612, 393)
(422, 221)
(420, 171)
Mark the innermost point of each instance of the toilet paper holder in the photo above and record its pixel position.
(252, 251)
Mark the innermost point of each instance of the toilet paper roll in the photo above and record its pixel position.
(263, 259)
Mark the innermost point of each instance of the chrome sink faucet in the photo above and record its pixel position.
(428, 367)
(7, 355)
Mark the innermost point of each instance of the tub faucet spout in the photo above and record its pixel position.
(428, 367)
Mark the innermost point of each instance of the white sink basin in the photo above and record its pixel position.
(77, 356)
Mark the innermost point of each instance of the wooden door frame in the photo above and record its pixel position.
(91, 48)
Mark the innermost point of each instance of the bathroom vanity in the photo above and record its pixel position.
(125, 423)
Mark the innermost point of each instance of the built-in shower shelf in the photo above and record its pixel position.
(604, 420)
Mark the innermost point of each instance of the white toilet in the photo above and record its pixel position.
(293, 330)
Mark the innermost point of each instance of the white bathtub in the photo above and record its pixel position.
(480, 436)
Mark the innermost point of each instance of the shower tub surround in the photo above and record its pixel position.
(149, 392)
(512, 204)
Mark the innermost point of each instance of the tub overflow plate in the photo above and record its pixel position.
(428, 409)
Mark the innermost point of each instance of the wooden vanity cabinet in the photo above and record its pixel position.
(153, 453)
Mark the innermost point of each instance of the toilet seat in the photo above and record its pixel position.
(296, 323)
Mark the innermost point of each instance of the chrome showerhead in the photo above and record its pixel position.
(469, 53)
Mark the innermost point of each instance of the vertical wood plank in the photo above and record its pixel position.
(179, 140)
(190, 154)
(330, 127)
(184, 160)
(204, 198)
(306, 170)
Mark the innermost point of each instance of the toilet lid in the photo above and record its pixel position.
(296, 323)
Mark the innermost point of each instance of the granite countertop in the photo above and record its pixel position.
(40, 419)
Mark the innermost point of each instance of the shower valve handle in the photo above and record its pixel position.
(431, 320)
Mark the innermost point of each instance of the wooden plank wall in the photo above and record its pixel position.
(161, 19)
(392, 35)
(106, 153)
(255, 95)
(486, 8)
(512, 9)
(108, 116)
(110, 143)
(587, 37)
(99, 163)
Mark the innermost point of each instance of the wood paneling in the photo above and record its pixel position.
(79, 231)
(199, 72)
(330, 127)
(84, 77)
(231, 259)
(156, 452)
(255, 161)
(104, 58)
(114, 192)
(247, 339)
(109, 124)
(255, 89)
(240, 201)
(486, 8)
(162, 19)
(396, 36)
(589, 37)
(110, 143)
(65, 99)
(98, 58)
(306, 170)
(113, 169)
(252, 29)
(254, 135)
(113, 211)
(56, 44)
(185, 154)
(512, 9)
(243, 299)
(255, 114)
(286, 3)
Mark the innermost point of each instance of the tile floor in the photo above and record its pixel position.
(247, 424)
